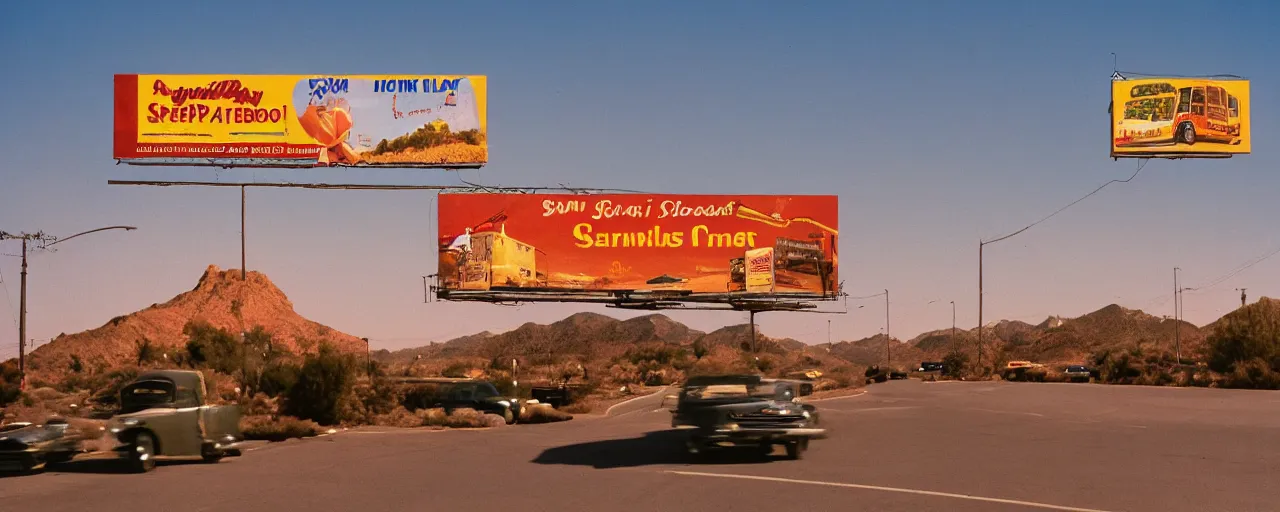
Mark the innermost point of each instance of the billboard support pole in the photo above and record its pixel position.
(752, 315)
(244, 270)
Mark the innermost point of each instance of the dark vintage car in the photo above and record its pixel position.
(451, 394)
(746, 410)
(24, 446)
(164, 413)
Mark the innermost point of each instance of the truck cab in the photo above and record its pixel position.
(165, 414)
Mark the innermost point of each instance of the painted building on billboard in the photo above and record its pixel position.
(1182, 116)
(683, 244)
(301, 120)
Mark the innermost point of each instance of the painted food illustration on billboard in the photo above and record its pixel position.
(1180, 115)
(687, 243)
(298, 121)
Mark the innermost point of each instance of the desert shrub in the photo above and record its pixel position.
(265, 428)
(955, 364)
(258, 404)
(278, 378)
(106, 387)
(145, 351)
(660, 354)
(580, 407)
(400, 417)
(1256, 373)
(1118, 366)
(10, 382)
(1248, 338)
(213, 347)
(540, 413)
(372, 401)
(76, 366)
(324, 383)
(456, 370)
(459, 418)
(699, 350)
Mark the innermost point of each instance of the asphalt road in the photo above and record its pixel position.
(902, 446)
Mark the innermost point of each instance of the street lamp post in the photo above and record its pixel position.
(48, 241)
(954, 343)
(887, 361)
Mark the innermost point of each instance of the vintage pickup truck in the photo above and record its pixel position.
(747, 410)
(164, 413)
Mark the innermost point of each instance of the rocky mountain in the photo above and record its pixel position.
(220, 298)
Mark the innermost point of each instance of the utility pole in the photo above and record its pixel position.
(1243, 301)
(244, 272)
(980, 244)
(22, 322)
(887, 361)
(1177, 317)
(45, 241)
(954, 343)
(828, 332)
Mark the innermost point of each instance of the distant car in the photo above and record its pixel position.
(24, 446)
(1077, 372)
(450, 394)
(928, 366)
(746, 410)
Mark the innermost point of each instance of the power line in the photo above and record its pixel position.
(7, 300)
(1141, 165)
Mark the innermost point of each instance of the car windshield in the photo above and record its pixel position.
(723, 391)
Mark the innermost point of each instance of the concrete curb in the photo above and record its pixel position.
(609, 411)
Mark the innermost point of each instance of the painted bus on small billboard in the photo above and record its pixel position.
(1160, 114)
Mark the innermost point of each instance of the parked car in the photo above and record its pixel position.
(1077, 373)
(747, 410)
(929, 366)
(24, 446)
(450, 394)
(164, 414)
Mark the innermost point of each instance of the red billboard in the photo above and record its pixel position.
(689, 244)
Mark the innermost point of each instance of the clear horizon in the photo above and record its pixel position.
(937, 125)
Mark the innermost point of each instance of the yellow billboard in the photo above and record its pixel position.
(1180, 117)
(301, 120)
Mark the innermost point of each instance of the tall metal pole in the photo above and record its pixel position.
(22, 321)
(752, 316)
(979, 304)
(244, 272)
(828, 332)
(954, 345)
(887, 360)
(1177, 317)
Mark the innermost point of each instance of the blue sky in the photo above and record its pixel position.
(937, 124)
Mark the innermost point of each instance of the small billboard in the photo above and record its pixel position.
(434, 121)
(675, 245)
(1180, 118)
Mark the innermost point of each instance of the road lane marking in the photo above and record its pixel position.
(888, 489)
(848, 396)
(1024, 413)
(870, 409)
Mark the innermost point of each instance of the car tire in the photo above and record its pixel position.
(796, 449)
(142, 458)
(508, 416)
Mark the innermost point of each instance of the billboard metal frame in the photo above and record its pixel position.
(1123, 76)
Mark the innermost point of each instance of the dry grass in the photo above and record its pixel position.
(542, 413)
(456, 153)
(584, 406)
(461, 418)
(266, 428)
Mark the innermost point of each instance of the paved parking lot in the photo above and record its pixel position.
(903, 445)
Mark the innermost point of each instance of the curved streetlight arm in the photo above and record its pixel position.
(126, 228)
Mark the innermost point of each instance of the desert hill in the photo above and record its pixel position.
(220, 298)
